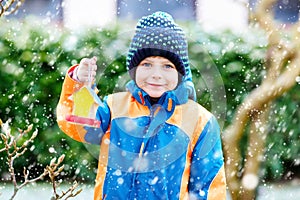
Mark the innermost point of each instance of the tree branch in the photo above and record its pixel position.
(282, 65)
(15, 150)
(10, 6)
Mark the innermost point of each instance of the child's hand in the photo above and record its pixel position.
(86, 71)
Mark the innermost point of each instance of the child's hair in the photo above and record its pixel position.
(158, 35)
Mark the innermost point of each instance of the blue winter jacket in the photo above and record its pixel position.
(167, 150)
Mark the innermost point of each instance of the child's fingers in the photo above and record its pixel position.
(88, 61)
(93, 68)
(87, 78)
(87, 69)
(94, 60)
(85, 62)
(84, 75)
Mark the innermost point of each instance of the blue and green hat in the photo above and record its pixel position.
(158, 35)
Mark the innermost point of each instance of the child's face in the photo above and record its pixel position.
(156, 75)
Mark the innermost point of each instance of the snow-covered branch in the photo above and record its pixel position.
(15, 146)
(8, 7)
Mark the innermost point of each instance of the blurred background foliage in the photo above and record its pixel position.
(34, 58)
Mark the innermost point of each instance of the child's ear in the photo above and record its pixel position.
(132, 73)
(180, 77)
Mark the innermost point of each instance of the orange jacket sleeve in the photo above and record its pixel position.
(65, 106)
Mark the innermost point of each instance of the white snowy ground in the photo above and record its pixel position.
(43, 191)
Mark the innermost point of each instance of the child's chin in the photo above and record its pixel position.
(155, 95)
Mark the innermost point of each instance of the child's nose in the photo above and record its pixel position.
(156, 72)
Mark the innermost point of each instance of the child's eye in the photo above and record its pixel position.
(169, 66)
(146, 64)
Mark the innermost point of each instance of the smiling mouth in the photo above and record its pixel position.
(155, 84)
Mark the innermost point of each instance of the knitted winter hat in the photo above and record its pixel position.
(158, 35)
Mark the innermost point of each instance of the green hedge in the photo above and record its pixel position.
(35, 56)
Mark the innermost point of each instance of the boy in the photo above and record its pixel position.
(155, 143)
